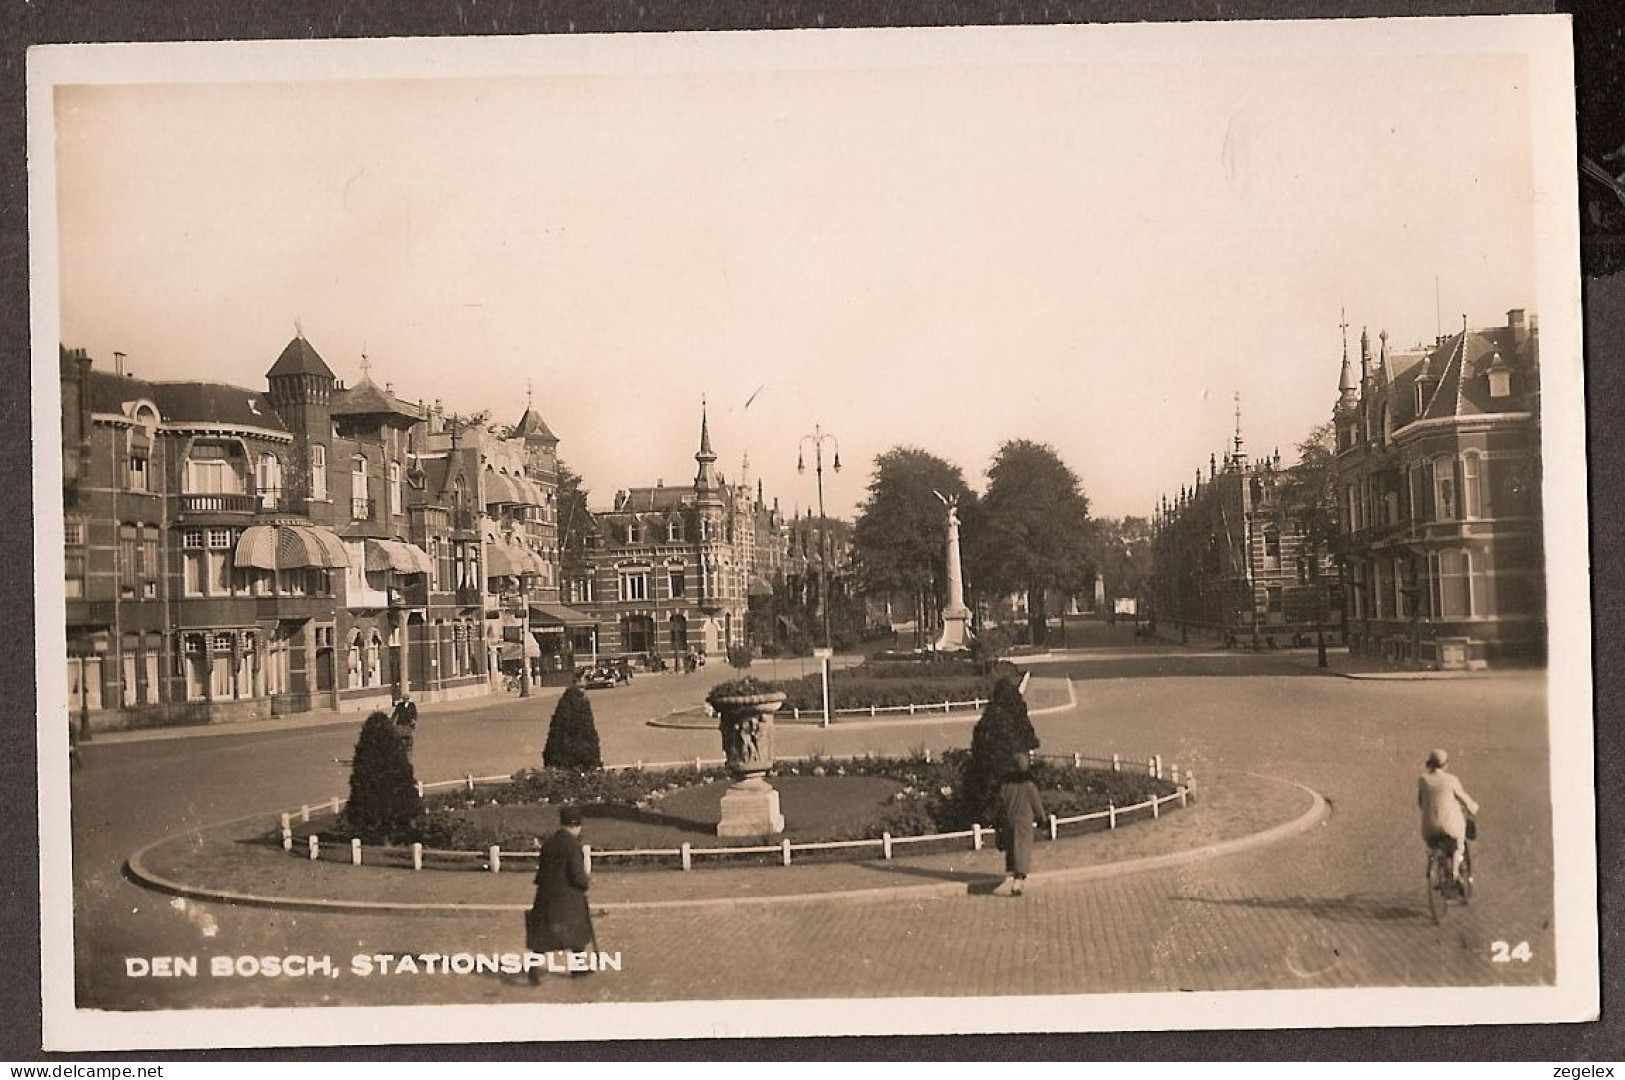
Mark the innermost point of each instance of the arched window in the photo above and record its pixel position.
(632, 532)
(318, 471)
(1445, 507)
(375, 659)
(1472, 498)
(360, 504)
(355, 662)
(395, 503)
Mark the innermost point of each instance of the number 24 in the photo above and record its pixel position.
(1502, 953)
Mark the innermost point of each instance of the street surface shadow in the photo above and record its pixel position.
(632, 815)
(1177, 665)
(978, 882)
(1351, 908)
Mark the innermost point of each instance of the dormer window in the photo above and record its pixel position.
(1500, 384)
(674, 531)
(632, 532)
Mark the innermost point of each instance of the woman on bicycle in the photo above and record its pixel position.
(1442, 799)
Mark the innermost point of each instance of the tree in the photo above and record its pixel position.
(1310, 491)
(1004, 730)
(384, 803)
(572, 737)
(1034, 532)
(575, 520)
(1120, 552)
(902, 527)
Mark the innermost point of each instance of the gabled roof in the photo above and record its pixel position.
(109, 392)
(655, 499)
(367, 398)
(299, 359)
(1462, 363)
(532, 426)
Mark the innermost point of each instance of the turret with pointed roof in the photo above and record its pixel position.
(707, 486)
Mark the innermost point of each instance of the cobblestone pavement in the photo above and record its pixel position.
(1340, 907)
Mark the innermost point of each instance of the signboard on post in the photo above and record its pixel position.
(824, 656)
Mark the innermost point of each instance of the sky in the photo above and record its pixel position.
(1094, 251)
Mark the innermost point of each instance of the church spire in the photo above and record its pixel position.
(1239, 456)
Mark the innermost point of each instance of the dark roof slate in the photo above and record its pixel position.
(367, 398)
(299, 358)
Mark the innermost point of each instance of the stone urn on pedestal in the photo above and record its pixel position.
(745, 710)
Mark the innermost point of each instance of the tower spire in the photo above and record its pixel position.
(1348, 387)
(1239, 456)
(705, 480)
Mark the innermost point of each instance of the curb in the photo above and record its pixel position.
(1318, 811)
(859, 722)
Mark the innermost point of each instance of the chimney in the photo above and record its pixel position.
(1515, 323)
(118, 364)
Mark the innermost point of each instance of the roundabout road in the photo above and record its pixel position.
(1340, 906)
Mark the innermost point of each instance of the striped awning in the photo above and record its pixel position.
(530, 491)
(510, 560)
(500, 488)
(400, 557)
(289, 547)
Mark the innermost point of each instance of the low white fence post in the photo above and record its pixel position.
(1054, 827)
(1117, 763)
(1190, 780)
(417, 856)
(1077, 760)
(496, 858)
(976, 837)
(287, 839)
(885, 844)
(586, 857)
(304, 812)
(688, 855)
(336, 804)
(468, 778)
(285, 821)
(315, 846)
(1151, 766)
(1111, 815)
(784, 852)
(355, 852)
(420, 789)
(1173, 773)
(1157, 761)
(698, 765)
(1182, 795)
(1156, 806)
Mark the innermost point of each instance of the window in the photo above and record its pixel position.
(268, 480)
(582, 591)
(674, 531)
(360, 504)
(73, 537)
(1272, 546)
(1444, 490)
(1454, 590)
(147, 562)
(1472, 504)
(129, 580)
(219, 538)
(1500, 383)
(631, 532)
(1399, 589)
(211, 470)
(136, 473)
(1273, 599)
(395, 502)
(318, 471)
(634, 585)
(675, 584)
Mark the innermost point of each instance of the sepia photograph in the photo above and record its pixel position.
(817, 532)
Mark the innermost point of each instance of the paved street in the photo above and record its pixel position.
(1341, 906)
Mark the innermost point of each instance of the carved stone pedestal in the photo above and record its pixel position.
(751, 808)
(955, 630)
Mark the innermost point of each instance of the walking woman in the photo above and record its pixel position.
(560, 920)
(1020, 807)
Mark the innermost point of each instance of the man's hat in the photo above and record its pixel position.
(1437, 758)
(570, 815)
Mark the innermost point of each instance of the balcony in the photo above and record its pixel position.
(219, 504)
(409, 592)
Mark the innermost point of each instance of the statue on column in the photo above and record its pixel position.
(955, 615)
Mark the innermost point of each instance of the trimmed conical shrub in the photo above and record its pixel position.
(384, 804)
(1004, 730)
(572, 737)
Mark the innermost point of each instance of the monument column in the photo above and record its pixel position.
(955, 616)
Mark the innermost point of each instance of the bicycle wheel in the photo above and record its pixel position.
(1436, 874)
(1466, 874)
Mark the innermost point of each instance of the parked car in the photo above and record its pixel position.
(597, 678)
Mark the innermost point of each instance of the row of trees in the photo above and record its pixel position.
(1029, 532)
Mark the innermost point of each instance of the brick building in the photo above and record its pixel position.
(1439, 472)
(668, 569)
(233, 553)
(1231, 554)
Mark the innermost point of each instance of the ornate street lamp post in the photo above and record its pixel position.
(526, 642)
(817, 438)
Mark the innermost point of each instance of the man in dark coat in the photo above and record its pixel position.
(1020, 807)
(406, 722)
(559, 919)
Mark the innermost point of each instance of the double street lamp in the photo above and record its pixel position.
(817, 438)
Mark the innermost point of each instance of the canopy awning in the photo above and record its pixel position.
(500, 488)
(560, 615)
(510, 560)
(529, 490)
(289, 547)
(760, 587)
(398, 556)
(510, 649)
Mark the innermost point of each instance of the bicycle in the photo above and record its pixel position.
(1442, 890)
